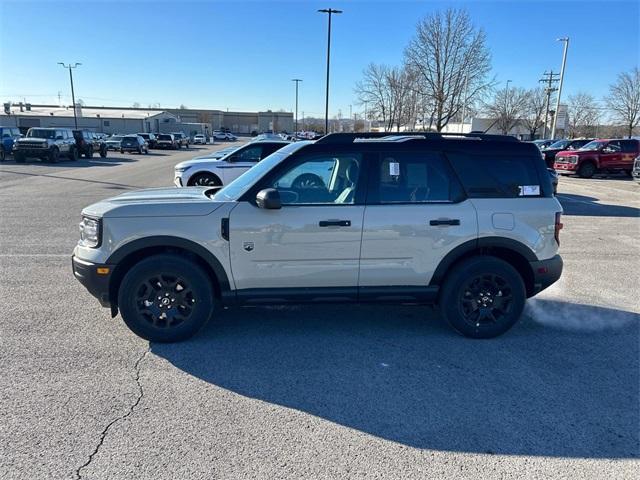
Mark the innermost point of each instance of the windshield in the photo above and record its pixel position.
(115, 139)
(244, 182)
(559, 144)
(595, 145)
(41, 133)
(164, 137)
(130, 140)
(144, 135)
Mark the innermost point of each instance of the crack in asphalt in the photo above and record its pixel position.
(105, 431)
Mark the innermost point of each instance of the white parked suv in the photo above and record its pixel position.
(214, 172)
(468, 222)
(199, 139)
(219, 135)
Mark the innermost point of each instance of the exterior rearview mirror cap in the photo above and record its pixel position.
(268, 198)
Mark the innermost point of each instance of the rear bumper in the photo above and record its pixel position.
(546, 273)
(97, 284)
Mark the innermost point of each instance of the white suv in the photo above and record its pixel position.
(468, 222)
(215, 172)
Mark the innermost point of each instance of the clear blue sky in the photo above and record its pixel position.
(243, 55)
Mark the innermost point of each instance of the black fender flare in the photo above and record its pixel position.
(166, 241)
(478, 244)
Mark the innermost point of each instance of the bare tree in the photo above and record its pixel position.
(534, 109)
(507, 107)
(624, 98)
(136, 104)
(583, 115)
(374, 90)
(450, 58)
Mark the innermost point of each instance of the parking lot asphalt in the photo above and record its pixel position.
(312, 392)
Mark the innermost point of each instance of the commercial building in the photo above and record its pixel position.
(132, 120)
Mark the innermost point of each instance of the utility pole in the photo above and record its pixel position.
(295, 133)
(329, 11)
(464, 104)
(565, 40)
(351, 115)
(549, 78)
(73, 96)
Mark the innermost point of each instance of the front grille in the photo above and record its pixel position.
(636, 164)
(29, 145)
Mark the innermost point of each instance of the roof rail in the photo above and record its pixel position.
(342, 138)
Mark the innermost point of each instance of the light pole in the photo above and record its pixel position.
(564, 62)
(506, 104)
(73, 95)
(329, 11)
(297, 80)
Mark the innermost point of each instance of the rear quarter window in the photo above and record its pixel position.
(497, 176)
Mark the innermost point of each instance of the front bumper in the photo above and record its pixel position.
(96, 283)
(565, 167)
(178, 182)
(546, 273)
(31, 152)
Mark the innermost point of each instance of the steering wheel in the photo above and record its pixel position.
(308, 180)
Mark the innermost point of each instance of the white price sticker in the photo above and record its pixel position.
(394, 169)
(529, 190)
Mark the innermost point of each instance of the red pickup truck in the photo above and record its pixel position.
(600, 155)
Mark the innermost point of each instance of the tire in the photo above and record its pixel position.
(121, 150)
(3, 155)
(161, 276)
(53, 156)
(146, 151)
(204, 179)
(468, 297)
(89, 152)
(103, 152)
(629, 173)
(73, 154)
(586, 170)
(139, 150)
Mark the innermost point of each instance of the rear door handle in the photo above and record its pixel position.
(335, 223)
(444, 221)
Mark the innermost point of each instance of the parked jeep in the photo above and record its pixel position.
(8, 135)
(470, 224)
(47, 144)
(89, 143)
(599, 156)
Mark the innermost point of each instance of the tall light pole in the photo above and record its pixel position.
(329, 11)
(297, 80)
(564, 62)
(73, 95)
(506, 102)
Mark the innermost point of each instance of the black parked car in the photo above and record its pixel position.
(134, 143)
(549, 153)
(150, 138)
(89, 143)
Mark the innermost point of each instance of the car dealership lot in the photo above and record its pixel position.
(315, 392)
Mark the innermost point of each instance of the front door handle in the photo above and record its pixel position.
(335, 223)
(444, 221)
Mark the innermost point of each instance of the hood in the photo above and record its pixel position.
(155, 202)
(566, 153)
(197, 161)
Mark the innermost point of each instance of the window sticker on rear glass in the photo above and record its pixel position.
(394, 169)
(529, 190)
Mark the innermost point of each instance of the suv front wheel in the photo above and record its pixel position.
(482, 297)
(165, 298)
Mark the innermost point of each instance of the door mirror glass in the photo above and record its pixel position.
(269, 198)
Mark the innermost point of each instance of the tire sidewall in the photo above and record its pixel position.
(587, 170)
(197, 279)
(449, 298)
(216, 182)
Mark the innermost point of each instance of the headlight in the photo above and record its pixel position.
(182, 169)
(90, 232)
(572, 159)
(44, 145)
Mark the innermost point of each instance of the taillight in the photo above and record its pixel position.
(558, 227)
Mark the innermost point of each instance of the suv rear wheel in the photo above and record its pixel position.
(165, 298)
(2, 154)
(89, 152)
(482, 297)
(103, 151)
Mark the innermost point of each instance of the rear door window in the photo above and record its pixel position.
(412, 177)
(629, 146)
(497, 175)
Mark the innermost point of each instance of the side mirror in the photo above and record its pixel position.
(269, 198)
